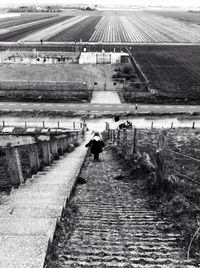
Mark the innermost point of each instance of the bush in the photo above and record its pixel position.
(127, 70)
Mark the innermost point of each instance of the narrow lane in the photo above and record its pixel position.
(98, 108)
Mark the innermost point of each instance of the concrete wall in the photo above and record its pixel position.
(4, 55)
(96, 57)
(19, 162)
(4, 173)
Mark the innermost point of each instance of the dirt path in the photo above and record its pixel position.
(108, 224)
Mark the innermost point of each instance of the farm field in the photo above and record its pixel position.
(80, 31)
(130, 27)
(22, 19)
(171, 69)
(120, 27)
(50, 31)
(18, 32)
(190, 17)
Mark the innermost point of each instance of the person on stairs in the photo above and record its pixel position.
(96, 144)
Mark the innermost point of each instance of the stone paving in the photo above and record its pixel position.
(112, 226)
(105, 97)
(28, 216)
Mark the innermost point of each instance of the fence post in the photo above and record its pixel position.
(193, 125)
(25, 124)
(171, 124)
(43, 124)
(3, 123)
(58, 124)
(113, 135)
(74, 125)
(118, 137)
(160, 159)
(124, 140)
(133, 148)
(151, 125)
(108, 134)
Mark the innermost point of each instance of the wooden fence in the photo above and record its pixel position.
(168, 162)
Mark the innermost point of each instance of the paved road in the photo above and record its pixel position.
(96, 108)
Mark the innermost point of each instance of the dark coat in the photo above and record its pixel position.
(96, 146)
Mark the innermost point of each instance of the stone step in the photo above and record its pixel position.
(77, 262)
(146, 243)
(110, 248)
(126, 234)
(105, 254)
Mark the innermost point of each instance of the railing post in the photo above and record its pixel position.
(74, 125)
(193, 125)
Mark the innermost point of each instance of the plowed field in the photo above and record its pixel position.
(79, 31)
(132, 27)
(172, 69)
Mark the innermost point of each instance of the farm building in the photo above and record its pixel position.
(102, 57)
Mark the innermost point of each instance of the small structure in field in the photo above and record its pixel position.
(102, 57)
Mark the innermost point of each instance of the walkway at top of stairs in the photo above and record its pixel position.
(105, 97)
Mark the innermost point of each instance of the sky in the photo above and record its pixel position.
(107, 2)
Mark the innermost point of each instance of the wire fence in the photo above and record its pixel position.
(42, 85)
(174, 157)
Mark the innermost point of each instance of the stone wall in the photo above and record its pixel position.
(19, 162)
(4, 175)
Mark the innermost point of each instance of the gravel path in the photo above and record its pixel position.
(109, 225)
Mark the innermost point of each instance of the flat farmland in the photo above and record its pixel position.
(79, 31)
(22, 19)
(181, 15)
(25, 28)
(119, 27)
(130, 27)
(171, 69)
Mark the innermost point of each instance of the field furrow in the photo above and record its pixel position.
(48, 32)
(80, 31)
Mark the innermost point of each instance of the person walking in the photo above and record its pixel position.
(96, 144)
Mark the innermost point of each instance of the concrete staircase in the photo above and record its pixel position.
(114, 227)
(28, 216)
